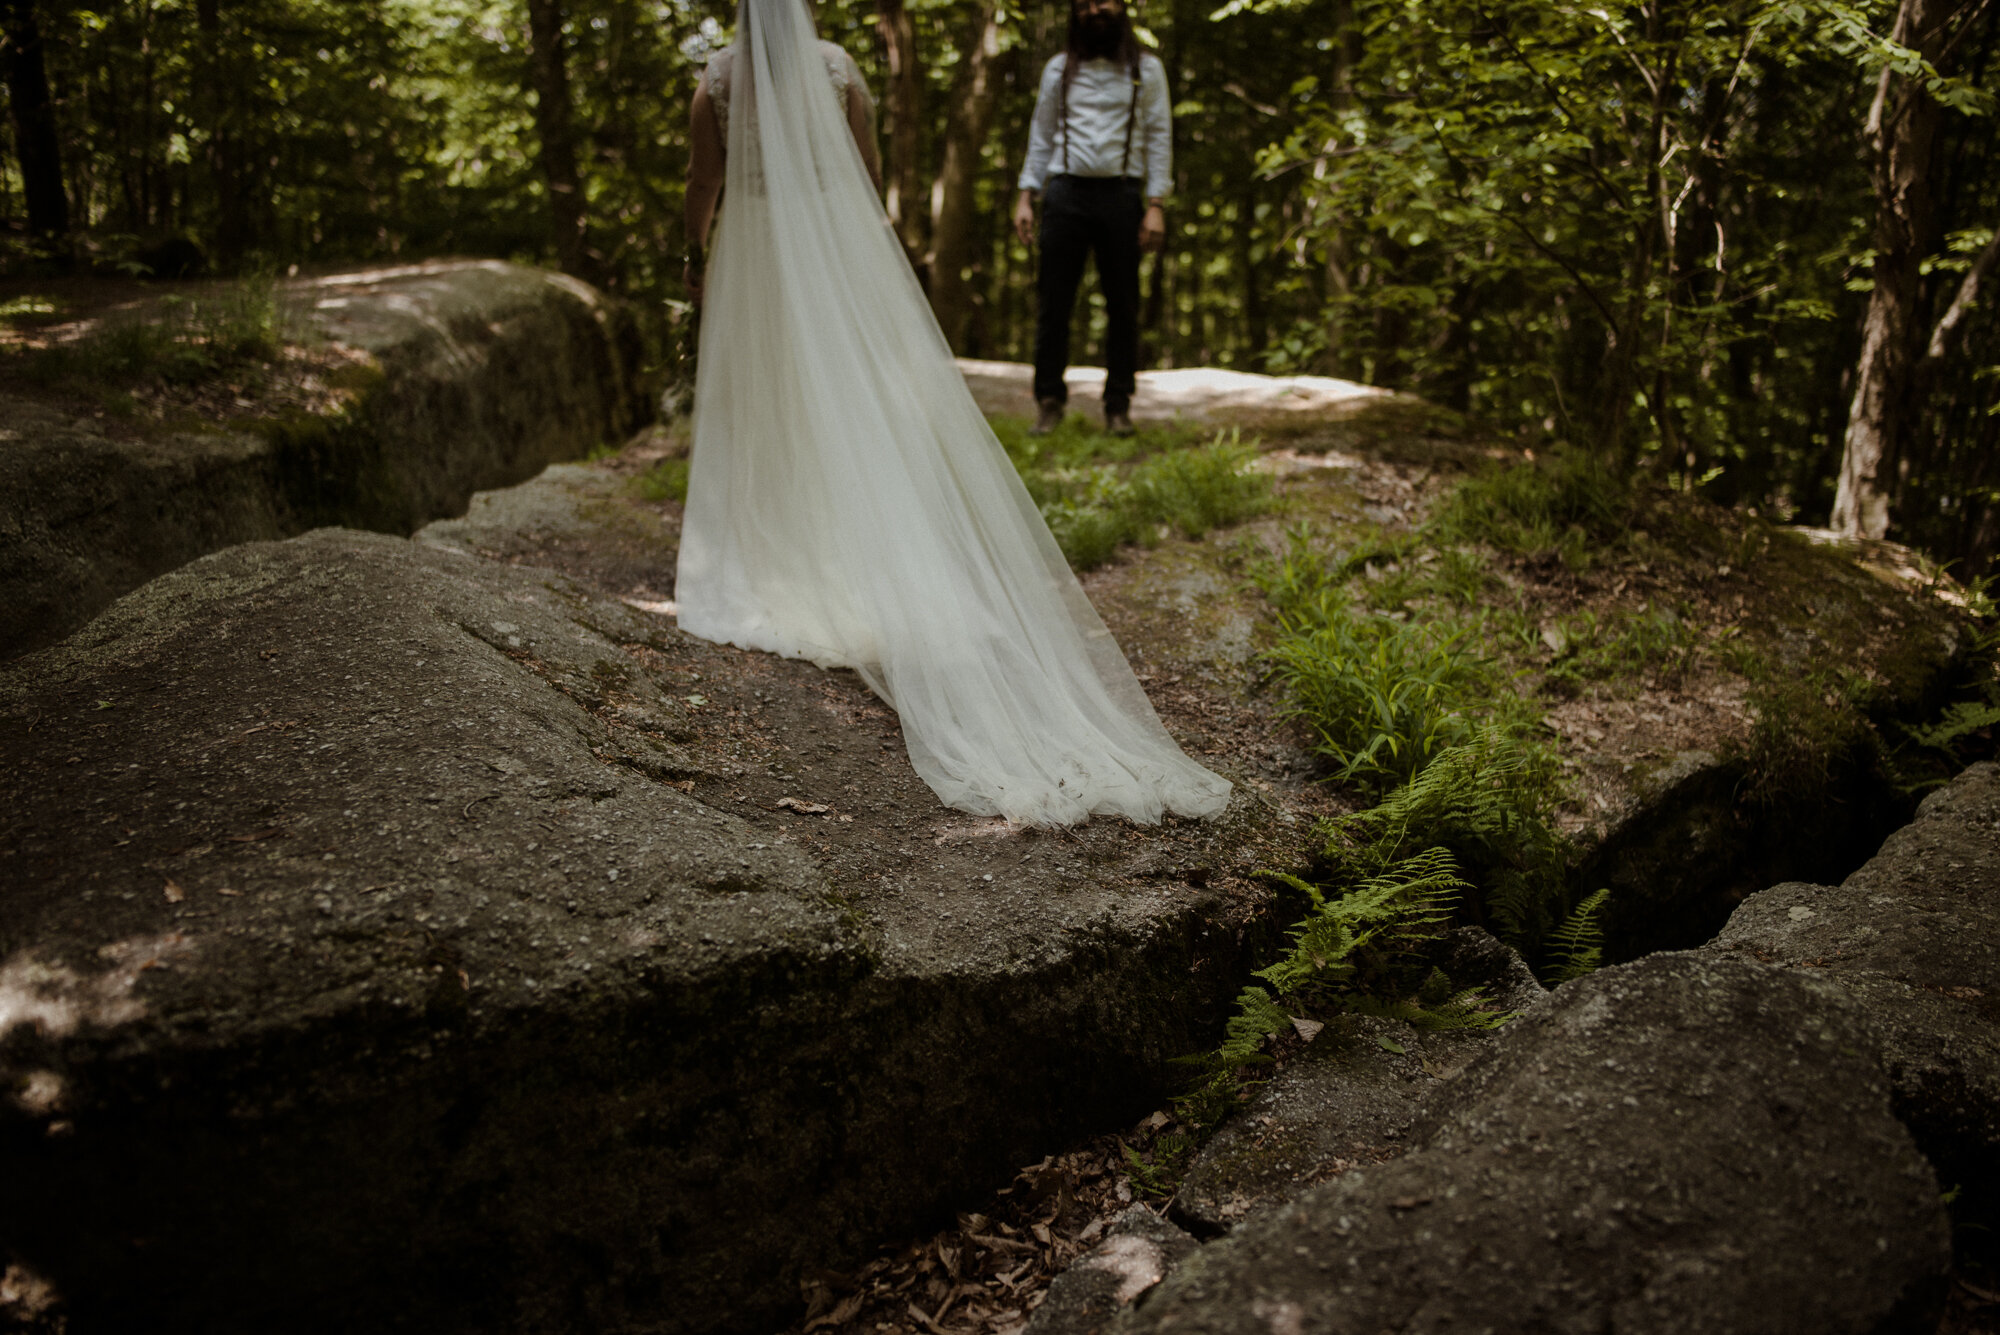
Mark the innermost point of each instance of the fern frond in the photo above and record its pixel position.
(1258, 1016)
(1958, 722)
(1464, 1009)
(1577, 947)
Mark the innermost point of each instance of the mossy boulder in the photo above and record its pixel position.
(461, 376)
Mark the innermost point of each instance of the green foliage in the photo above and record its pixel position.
(1570, 505)
(179, 340)
(1357, 951)
(1366, 935)
(1158, 1176)
(1201, 489)
(1644, 229)
(1577, 947)
(1491, 803)
(1619, 646)
(1099, 492)
(1958, 722)
(1382, 697)
(666, 480)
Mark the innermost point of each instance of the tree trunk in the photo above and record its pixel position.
(548, 64)
(905, 111)
(1345, 56)
(35, 138)
(1903, 124)
(955, 238)
(224, 161)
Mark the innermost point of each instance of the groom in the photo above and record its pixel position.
(1100, 153)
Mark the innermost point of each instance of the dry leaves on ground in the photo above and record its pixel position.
(987, 1273)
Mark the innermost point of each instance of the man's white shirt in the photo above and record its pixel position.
(1100, 103)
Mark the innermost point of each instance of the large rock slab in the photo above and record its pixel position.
(1349, 1099)
(473, 374)
(392, 939)
(1689, 1142)
(1914, 936)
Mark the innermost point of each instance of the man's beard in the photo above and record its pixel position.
(1101, 34)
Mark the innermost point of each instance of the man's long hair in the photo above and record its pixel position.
(1077, 46)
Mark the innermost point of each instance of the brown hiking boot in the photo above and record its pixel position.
(1118, 423)
(1048, 418)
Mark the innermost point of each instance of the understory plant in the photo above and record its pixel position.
(1100, 492)
(1360, 949)
(176, 340)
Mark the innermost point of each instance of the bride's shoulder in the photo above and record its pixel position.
(840, 67)
(716, 72)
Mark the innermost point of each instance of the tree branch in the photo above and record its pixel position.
(1946, 329)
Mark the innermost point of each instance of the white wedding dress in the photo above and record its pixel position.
(847, 502)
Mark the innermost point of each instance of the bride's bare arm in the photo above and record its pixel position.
(861, 120)
(704, 181)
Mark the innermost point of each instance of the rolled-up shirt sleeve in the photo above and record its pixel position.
(1156, 115)
(1042, 128)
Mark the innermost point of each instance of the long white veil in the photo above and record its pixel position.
(848, 504)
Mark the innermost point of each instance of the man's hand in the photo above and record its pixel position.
(1153, 228)
(1024, 217)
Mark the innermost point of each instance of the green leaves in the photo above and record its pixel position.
(1094, 506)
(1577, 947)
(1382, 697)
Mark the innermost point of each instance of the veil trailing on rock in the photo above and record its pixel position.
(848, 504)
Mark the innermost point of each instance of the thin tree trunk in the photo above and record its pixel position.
(36, 141)
(224, 164)
(548, 63)
(955, 236)
(1392, 321)
(1903, 125)
(1346, 54)
(905, 111)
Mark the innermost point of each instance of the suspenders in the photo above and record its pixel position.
(1131, 115)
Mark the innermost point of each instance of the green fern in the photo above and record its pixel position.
(1957, 723)
(1402, 903)
(1158, 1176)
(1464, 1009)
(1577, 947)
(1258, 1017)
(1491, 802)
(1382, 697)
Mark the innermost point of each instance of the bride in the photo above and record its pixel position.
(847, 502)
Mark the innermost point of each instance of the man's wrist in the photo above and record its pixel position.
(1156, 203)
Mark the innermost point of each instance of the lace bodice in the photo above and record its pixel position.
(841, 72)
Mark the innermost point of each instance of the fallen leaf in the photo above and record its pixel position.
(843, 1313)
(174, 893)
(1388, 1044)
(697, 699)
(1308, 1029)
(804, 808)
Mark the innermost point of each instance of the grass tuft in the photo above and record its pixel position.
(666, 480)
(1569, 505)
(1100, 492)
(179, 340)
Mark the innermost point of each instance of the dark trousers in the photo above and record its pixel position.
(1084, 216)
